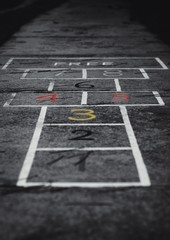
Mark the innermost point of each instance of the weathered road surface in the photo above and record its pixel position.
(85, 127)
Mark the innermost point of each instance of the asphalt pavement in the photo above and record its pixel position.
(84, 93)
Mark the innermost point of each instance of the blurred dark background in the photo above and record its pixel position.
(14, 13)
(155, 14)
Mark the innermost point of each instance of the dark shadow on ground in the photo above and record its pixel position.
(15, 13)
(155, 15)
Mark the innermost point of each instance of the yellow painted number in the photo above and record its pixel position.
(87, 113)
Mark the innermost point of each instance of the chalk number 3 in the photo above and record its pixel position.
(82, 114)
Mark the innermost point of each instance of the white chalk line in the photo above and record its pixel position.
(8, 102)
(88, 78)
(84, 124)
(32, 149)
(85, 149)
(84, 98)
(84, 73)
(91, 91)
(83, 184)
(68, 106)
(158, 98)
(51, 86)
(141, 168)
(8, 63)
(145, 75)
(82, 70)
(97, 57)
(25, 74)
(117, 84)
(131, 68)
(161, 63)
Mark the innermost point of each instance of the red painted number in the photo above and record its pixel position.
(50, 97)
(120, 97)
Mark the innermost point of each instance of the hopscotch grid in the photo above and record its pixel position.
(33, 148)
(24, 174)
(141, 168)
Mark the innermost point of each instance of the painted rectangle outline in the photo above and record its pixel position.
(85, 184)
(158, 60)
(155, 94)
(84, 72)
(93, 125)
